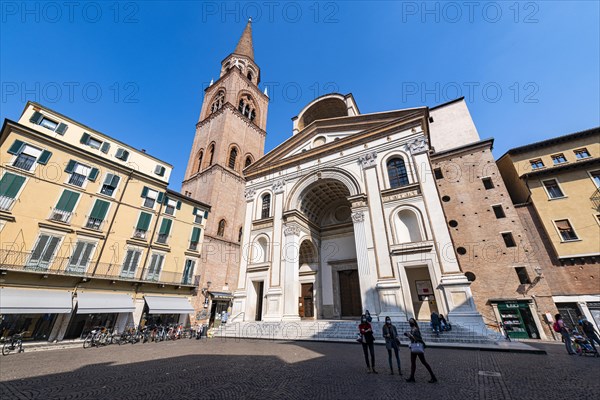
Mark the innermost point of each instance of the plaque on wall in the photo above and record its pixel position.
(424, 288)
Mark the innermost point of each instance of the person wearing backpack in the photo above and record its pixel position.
(588, 329)
(560, 327)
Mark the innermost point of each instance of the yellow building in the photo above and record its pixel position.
(90, 234)
(555, 185)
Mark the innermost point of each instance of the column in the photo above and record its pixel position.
(239, 296)
(273, 291)
(291, 273)
(366, 276)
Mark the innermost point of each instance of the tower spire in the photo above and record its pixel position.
(244, 46)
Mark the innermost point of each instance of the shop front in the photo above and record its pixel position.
(110, 310)
(166, 310)
(33, 312)
(220, 302)
(516, 318)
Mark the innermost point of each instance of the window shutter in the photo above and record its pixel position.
(10, 184)
(85, 138)
(144, 221)
(108, 179)
(100, 209)
(93, 174)
(44, 157)
(179, 205)
(67, 201)
(36, 117)
(122, 154)
(205, 214)
(165, 226)
(61, 129)
(105, 147)
(195, 211)
(16, 147)
(160, 196)
(115, 181)
(165, 200)
(159, 170)
(145, 191)
(195, 235)
(70, 166)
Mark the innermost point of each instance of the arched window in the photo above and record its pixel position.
(211, 154)
(249, 75)
(218, 101)
(247, 108)
(221, 230)
(232, 157)
(266, 206)
(248, 162)
(240, 235)
(200, 160)
(397, 172)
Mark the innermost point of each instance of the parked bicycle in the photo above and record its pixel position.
(15, 342)
(99, 336)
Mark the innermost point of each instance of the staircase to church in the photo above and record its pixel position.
(336, 330)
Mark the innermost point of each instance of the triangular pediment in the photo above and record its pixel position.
(335, 134)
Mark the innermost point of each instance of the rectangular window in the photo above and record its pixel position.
(536, 164)
(559, 159)
(170, 207)
(198, 215)
(150, 197)
(523, 275)
(195, 238)
(581, 153)
(26, 155)
(188, 270)
(553, 189)
(90, 141)
(499, 211)
(487, 183)
(156, 262)
(509, 241)
(79, 174)
(43, 252)
(122, 154)
(110, 184)
(80, 258)
(97, 215)
(165, 229)
(132, 259)
(39, 119)
(141, 229)
(64, 208)
(10, 185)
(47, 123)
(565, 229)
(437, 172)
(596, 178)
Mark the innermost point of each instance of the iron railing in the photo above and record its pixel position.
(6, 203)
(595, 198)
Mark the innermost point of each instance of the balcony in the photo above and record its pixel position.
(94, 223)
(6, 203)
(22, 262)
(595, 198)
(162, 239)
(60, 216)
(24, 161)
(77, 179)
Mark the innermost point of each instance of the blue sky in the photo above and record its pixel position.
(136, 70)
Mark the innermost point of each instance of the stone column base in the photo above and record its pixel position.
(460, 304)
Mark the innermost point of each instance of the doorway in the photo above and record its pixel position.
(306, 301)
(259, 288)
(350, 302)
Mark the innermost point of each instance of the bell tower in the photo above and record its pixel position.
(230, 135)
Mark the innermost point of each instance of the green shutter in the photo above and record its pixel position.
(195, 211)
(85, 138)
(165, 226)
(100, 209)
(93, 174)
(144, 221)
(10, 184)
(195, 235)
(67, 201)
(115, 181)
(105, 147)
(145, 191)
(165, 200)
(70, 166)
(160, 196)
(16, 147)
(205, 214)
(36, 117)
(179, 205)
(44, 157)
(61, 129)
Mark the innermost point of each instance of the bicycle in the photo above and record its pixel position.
(98, 336)
(13, 343)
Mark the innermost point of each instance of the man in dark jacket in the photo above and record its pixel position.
(588, 329)
(435, 323)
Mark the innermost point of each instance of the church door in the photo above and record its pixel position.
(350, 293)
(306, 303)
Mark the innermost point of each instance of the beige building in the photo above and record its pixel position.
(90, 233)
(555, 185)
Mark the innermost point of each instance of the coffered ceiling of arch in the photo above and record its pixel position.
(325, 198)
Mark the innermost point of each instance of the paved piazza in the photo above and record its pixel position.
(230, 369)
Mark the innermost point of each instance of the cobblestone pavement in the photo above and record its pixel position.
(246, 369)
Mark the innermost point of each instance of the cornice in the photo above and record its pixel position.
(235, 111)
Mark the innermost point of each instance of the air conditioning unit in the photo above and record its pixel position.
(139, 235)
(57, 217)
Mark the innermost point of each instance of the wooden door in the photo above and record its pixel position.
(259, 300)
(306, 302)
(350, 293)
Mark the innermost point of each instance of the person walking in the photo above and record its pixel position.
(559, 326)
(367, 341)
(417, 349)
(390, 333)
(588, 329)
(435, 323)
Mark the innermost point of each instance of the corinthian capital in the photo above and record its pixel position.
(417, 145)
(249, 193)
(358, 216)
(291, 230)
(368, 160)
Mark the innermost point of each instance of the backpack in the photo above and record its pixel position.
(556, 327)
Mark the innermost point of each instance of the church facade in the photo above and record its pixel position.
(345, 216)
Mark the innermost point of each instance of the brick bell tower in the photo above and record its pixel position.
(230, 135)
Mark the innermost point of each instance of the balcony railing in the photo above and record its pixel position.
(22, 261)
(77, 179)
(24, 161)
(596, 199)
(6, 203)
(94, 223)
(60, 215)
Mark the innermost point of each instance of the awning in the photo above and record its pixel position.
(104, 302)
(168, 305)
(221, 295)
(32, 301)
